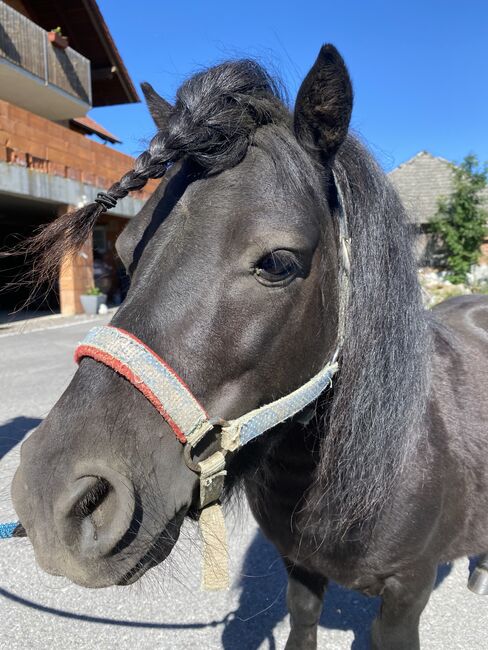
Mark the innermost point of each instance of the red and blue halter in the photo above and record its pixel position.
(169, 394)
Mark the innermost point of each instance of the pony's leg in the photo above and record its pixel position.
(403, 600)
(304, 598)
(478, 581)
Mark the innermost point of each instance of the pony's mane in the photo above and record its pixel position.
(378, 398)
(373, 422)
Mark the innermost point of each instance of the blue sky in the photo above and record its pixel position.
(419, 69)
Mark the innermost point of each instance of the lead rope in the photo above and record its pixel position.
(215, 552)
(212, 473)
(12, 529)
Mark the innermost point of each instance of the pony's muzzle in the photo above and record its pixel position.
(95, 513)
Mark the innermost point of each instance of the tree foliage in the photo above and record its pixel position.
(461, 219)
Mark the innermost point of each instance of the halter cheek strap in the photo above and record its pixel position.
(168, 393)
(190, 422)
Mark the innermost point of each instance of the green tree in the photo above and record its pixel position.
(461, 220)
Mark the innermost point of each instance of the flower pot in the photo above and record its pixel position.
(91, 304)
(58, 40)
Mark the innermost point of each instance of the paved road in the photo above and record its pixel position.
(166, 609)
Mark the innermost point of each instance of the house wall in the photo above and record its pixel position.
(50, 164)
(37, 143)
(75, 277)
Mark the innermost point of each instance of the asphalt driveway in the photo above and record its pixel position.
(166, 608)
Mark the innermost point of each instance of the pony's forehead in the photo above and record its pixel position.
(254, 175)
(274, 170)
(276, 179)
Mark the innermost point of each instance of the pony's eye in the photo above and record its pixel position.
(277, 266)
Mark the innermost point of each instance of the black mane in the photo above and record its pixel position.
(374, 419)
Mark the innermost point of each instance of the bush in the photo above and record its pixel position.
(461, 221)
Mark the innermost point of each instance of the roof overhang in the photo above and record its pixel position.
(82, 22)
(87, 126)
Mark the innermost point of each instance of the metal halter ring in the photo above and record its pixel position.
(187, 449)
(190, 463)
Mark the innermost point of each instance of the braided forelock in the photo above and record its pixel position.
(216, 113)
(152, 163)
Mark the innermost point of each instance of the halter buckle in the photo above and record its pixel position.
(212, 470)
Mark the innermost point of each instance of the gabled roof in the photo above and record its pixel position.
(421, 182)
(82, 22)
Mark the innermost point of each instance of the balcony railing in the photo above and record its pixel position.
(26, 45)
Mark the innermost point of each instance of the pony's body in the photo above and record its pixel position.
(237, 282)
(435, 512)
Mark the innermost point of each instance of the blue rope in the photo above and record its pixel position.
(7, 530)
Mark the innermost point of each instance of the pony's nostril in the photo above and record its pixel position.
(95, 515)
(91, 503)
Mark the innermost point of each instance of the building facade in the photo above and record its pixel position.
(57, 61)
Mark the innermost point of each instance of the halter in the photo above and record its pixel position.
(168, 393)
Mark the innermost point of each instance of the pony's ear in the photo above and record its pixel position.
(324, 104)
(159, 108)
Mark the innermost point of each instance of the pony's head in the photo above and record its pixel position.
(234, 281)
(227, 262)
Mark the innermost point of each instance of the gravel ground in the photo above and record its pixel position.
(166, 608)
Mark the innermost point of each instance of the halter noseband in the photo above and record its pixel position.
(190, 422)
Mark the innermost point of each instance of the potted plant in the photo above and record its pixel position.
(56, 37)
(92, 299)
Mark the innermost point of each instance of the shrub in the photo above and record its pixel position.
(461, 221)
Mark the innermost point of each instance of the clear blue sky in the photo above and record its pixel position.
(419, 68)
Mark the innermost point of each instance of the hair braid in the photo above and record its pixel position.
(149, 164)
(67, 234)
(215, 115)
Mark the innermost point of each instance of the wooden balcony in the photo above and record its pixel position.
(37, 75)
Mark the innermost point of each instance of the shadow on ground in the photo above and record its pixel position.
(13, 431)
(262, 604)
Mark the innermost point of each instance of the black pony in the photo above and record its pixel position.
(235, 268)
